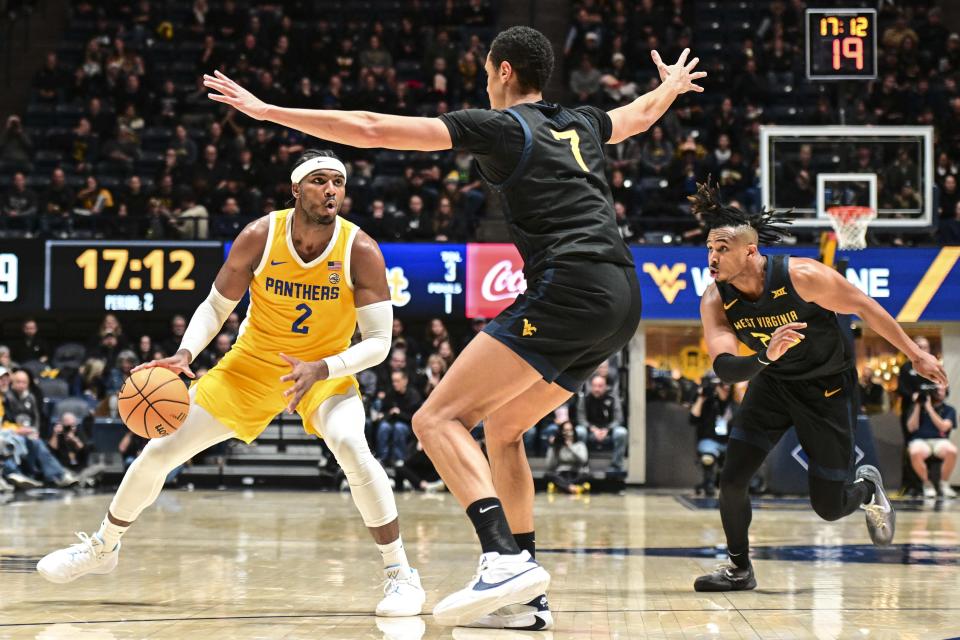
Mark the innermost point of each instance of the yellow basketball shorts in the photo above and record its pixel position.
(245, 394)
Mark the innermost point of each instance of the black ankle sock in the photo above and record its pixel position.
(526, 542)
(490, 522)
(741, 560)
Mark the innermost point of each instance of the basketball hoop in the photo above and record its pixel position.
(850, 224)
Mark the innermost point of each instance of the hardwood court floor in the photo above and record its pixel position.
(270, 564)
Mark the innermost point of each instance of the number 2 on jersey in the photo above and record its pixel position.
(574, 139)
(298, 323)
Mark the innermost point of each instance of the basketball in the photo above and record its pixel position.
(153, 402)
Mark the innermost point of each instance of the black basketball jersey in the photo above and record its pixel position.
(823, 351)
(556, 200)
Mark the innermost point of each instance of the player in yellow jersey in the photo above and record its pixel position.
(313, 277)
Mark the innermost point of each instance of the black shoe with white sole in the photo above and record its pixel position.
(727, 577)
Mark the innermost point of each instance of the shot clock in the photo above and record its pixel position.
(129, 276)
(841, 44)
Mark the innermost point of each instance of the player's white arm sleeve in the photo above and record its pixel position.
(376, 331)
(207, 320)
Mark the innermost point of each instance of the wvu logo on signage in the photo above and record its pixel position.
(667, 279)
(782, 291)
(398, 284)
(528, 329)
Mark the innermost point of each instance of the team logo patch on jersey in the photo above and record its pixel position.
(528, 329)
(334, 278)
(782, 291)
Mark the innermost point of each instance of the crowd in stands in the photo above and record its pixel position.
(52, 393)
(120, 140)
(754, 54)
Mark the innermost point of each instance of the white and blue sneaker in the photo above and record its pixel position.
(86, 557)
(500, 580)
(402, 593)
(532, 616)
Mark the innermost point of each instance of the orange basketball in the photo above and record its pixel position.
(153, 402)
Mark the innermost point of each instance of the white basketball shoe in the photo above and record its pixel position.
(531, 616)
(85, 557)
(402, 593)
(500, 580)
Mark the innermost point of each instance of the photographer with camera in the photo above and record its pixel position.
(930, 422)
(711, 414)
(908, 385)
(68, 443)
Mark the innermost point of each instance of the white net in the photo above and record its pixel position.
(850, 225)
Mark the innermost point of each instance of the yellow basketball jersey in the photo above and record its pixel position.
(302, 309)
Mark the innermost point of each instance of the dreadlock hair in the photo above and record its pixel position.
(769, 225)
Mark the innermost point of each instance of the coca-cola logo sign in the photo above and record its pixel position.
(502, 282)
(494, 278)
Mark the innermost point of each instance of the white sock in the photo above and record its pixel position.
(110, 534)
(394, 557)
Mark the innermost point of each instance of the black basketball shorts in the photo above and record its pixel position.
(823, 410)
(571, 318)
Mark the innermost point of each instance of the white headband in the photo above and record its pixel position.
(313, 164)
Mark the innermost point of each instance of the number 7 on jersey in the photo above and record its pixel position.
(574, 139)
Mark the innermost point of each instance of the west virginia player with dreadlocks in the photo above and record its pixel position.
(802, 373)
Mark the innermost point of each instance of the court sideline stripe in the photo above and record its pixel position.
(370, 615)
(929, 284)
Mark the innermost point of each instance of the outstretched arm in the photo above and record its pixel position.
(639, 115)
(817, 283)
(362, 129)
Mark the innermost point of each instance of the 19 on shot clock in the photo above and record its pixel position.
(841, 44)
(129, 276)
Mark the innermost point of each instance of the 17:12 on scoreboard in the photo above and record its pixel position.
(129, 276)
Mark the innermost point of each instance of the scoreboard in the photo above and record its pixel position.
(129, 276)
(83, 277)
(841, 44)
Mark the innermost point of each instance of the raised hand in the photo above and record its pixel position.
(681, 75)
(179, 363)
(234, 95)
(785, 337)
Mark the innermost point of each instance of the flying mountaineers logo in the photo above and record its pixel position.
(667, 279)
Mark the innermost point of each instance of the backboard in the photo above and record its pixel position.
(810, 168)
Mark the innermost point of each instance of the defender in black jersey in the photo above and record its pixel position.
(802, 375)
(582, 304)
